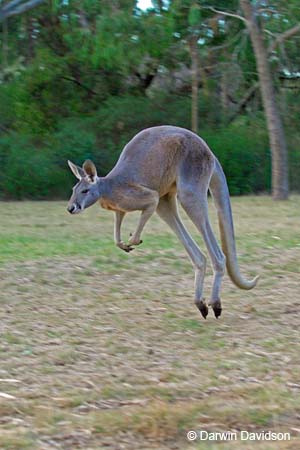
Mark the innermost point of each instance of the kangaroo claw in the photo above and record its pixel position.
(133, 241)
(127, 248)
(202, 306)
(217, 311)
(217, 308)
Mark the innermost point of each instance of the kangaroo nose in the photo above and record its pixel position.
(71, 209)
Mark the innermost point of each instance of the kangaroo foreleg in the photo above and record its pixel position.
(119, 216)
(135, 198)
(135, 239)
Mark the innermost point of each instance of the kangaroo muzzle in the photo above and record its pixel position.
(74, 208)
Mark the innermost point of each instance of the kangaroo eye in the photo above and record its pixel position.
(85, 191)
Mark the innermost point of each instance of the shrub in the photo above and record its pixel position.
(244, 153)
(27, 170)
(35, 167)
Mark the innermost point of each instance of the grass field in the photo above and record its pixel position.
(105, 350)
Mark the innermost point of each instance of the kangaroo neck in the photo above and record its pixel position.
(105, 186)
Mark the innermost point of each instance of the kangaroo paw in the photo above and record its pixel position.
(202, 306)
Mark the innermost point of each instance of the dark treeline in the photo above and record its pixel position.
(79, 78)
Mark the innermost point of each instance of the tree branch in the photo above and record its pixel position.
(268, 10)
(10, 5)
(15, 7)
(243, 102)
(283, 36)
(225, 13)
(227, 44)
(89, 90)
(279, 38)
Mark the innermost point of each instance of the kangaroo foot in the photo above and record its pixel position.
(217, 307)
(202, 306)
(134, 241)
(127, 248)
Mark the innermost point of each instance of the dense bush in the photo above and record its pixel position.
(294, 160)
(28, 171)
(79, 79)
(243, 151)
(36, 167)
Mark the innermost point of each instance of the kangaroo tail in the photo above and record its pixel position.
(219, 190)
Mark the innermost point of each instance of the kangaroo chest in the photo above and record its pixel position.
(108, 204)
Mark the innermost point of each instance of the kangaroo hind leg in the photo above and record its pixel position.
(193, 197)
(167, 210)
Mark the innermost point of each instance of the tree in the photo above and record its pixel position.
(188, 25)
(194, 21)
(280, 185)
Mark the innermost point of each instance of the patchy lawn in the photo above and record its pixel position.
(102, 349)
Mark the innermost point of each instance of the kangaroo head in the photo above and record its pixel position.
(86, 191)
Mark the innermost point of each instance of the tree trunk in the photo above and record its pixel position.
(195, 81)
(30, 40)
(275, 128)
(4, 45)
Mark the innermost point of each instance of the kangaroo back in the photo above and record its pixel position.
(219, 190)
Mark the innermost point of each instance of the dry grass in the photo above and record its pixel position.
(100, 349)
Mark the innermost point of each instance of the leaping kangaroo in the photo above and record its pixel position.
(156, 166)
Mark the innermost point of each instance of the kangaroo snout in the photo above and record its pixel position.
(73, 208)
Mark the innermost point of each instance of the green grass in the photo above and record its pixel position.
(102, 348)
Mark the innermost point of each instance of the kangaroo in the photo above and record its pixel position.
(158, 166)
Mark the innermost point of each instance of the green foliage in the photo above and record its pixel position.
(76, 82)
(32, 169)
(194, 15)
(120, 118)
(243, 151)
(294, 161)
(27, 171)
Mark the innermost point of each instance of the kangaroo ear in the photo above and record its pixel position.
(90, 170)
(77, 171)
